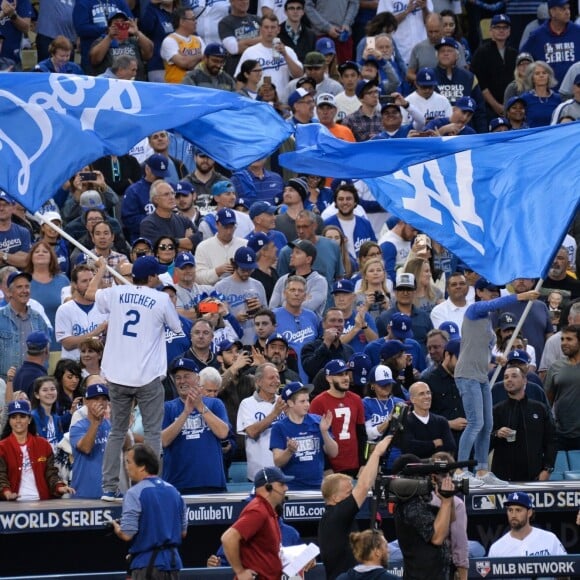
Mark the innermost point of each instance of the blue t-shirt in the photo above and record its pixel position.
(13, 36)
(359, 342)
(16, 239)
(307, 463)
(539, 109)
(194, 458)
(297, 330)
(87, 478)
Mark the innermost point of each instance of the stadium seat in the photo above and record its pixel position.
(572, 475)
(573, 460)
(238, 472)
(240, 487)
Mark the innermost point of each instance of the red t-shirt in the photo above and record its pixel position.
(347, 413)
(261, 539)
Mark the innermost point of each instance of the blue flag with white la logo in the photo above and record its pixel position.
(51, 125)
(502, 202)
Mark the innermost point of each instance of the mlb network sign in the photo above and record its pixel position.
(525, 567)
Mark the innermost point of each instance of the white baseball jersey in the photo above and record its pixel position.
(135, 352)
(72, 320)
(258, 454)
(537, 543)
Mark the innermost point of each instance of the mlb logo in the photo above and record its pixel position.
(483, 568)
(483, 502)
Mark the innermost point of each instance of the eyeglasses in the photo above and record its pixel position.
(256, 70)
(166, 247)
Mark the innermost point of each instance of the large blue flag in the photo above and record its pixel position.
(51, 125)
(502, 202)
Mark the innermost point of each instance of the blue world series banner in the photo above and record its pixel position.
(501, 202)
(51, 125)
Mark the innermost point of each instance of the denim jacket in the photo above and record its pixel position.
(12, 349)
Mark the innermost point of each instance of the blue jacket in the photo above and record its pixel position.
(12, 343)
(363, 231)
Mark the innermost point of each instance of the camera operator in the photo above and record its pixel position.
(422, 530)
(342, 505)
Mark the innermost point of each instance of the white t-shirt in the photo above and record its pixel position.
(273, 65)
(208, 14)
(276, 5)
(346, 105)
(435, 107)
(258, 454)
(28, 490)
(536, 543)
(135, 352)
(411, 29)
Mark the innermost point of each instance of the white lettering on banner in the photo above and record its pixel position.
(203, 513)
(303, 511)
(461, 213)
(72, 92)
(47, 520)
(534, 568)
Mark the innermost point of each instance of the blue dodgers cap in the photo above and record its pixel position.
(19, 408)
(5, 197)
(447, 41)
(392, 348)
(518, 356)
(296, 95)
(276, 337)
(450, 328)
(484, 284)
(348, 64)
(500, 19)
(220, 187)
(453, 347)
(97, 390)
(426, 77)
(184, 364)
(343, 286)
(37, 341)
(335, 367)
(371, 59)
(520, 498)
(270, 475)
(184, 259)
(293, 388)
(393, 221)
(507, 320)
(146, 266)
(360, 365)
(325, 46)
(183, 188)
(245, 258)
(497, 123)
(17, 274)
(260, 207)
(215, 49)
(241, 202)
(226, 217)
(577, 80)
(158, 164)
(466, 104)
(400, 326)
(513, 100)
(142, 241)
(257, 241)
(382, 376)
(364, 85)
(226, 345)
(557, 3)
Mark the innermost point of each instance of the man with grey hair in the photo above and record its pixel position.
(124, 68)
(256, 416)
(164, 221)
(559, 279)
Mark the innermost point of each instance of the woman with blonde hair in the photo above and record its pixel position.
(373, 288)
(427, 295)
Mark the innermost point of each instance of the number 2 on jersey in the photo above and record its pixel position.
(134, 318)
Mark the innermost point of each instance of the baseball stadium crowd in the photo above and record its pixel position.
(271, 318)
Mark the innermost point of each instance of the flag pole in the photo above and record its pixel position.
(516, 331)
(77, 244)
